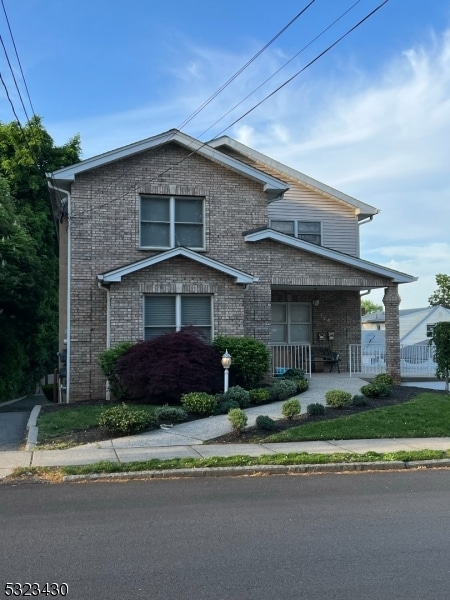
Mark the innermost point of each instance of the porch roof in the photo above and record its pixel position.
(340, 257)
(116, 275)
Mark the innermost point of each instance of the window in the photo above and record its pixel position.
(164, 314)
(291, 323)
(309, 231)
(167, 222)
(430, 327)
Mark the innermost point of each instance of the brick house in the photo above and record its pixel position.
(169, 232)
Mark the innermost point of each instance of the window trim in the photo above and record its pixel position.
(172, 223)
(296, 228)
(178, 298)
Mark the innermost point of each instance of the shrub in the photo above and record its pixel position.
(249, 358)
(162, 369)
(170, 414)
(359, 400)
(280, 390)
(259, 395)
(47, 390)
(265, 423)
(376, 390)
(294, 374)
(124, 420)
(302, 385)
(237, 394)
(109, 360)
(237, 418)
(383, 378)
(290, 408)
(225, 406)
(199, 403)
(315, 409)
(337, 398)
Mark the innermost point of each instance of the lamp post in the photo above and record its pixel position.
(226, 363)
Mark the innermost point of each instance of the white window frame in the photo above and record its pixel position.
(178, 319)
(172, 202)
(289, 323)
(430, 328)
(296, 223)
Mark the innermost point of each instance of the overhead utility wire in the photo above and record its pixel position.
(122, 196)
(281, 68)
(223, 86)
(18, 59)
(304, 68)
(247, 64)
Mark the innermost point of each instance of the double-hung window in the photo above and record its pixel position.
(291, 323)
(171, 221)
(165, 314)
(309, 231)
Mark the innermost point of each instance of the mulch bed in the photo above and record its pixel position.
(251, 434)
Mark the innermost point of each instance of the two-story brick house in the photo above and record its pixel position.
(169, 232)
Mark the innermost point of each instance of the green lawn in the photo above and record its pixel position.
(54, 424)
(427, 415)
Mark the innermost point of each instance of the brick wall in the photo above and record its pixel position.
(104, 228)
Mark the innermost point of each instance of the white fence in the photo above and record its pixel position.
(371, 359)
(292, 356)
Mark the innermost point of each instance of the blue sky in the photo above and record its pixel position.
(371, 117)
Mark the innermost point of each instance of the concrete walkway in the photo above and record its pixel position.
(186, 439)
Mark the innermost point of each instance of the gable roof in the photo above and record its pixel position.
(421, 314)
(272, 186)
(363, 210)
(345, 259)
(116, 275)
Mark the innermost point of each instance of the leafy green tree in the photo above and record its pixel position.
(28, 254)
(441, 340)
(367, 307)
(441, 296)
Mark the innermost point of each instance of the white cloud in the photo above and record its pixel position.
(382, 138)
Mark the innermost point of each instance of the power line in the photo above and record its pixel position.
(239, 71)
(18, 60)
(124, 195)
(281, 68)
(305, 67)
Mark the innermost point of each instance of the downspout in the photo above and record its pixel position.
(108, 331)
(69, 275)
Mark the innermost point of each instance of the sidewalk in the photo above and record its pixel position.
(186, 439)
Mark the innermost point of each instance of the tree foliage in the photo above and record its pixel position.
(441, 340)
(162, 369)
(249, 359)
(28, 254)
(368, 307)
(441, 296)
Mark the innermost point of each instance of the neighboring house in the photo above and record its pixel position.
(416, 324)
(169, 232)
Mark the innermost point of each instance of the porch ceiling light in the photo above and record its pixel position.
(315, 301)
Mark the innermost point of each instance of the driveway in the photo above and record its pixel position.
(13, 421)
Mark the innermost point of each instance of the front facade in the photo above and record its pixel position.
(171, 232)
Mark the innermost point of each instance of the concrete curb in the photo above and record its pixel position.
(32, 428)
(263, 470)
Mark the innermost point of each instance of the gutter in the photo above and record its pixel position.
(105, 288)
(69, 277)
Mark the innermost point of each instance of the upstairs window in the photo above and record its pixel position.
(309, 231)
(430, 328)
(171, 221)
(166, 314)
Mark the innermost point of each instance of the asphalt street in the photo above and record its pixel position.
(372, 536)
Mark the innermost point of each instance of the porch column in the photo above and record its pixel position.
(391, 301)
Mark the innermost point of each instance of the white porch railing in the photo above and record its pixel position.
(292, 356)
(371, 359)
